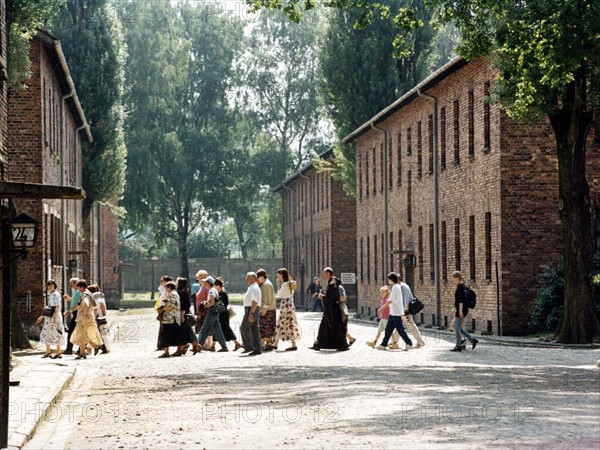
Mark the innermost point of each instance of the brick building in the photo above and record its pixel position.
(48, 127)
(319, 226)
(498, 197)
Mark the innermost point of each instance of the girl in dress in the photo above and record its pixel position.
(53, 330)
(86, 331)
(287, 325)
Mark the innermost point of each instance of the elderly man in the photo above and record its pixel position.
(249, 328)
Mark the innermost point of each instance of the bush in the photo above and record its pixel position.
(550, 299)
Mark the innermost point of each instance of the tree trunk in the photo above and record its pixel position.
(239, 227)
(571, 124)
(182, 241)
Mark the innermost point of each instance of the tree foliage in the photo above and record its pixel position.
(92, 40)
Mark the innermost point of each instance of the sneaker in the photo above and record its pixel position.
(407, 348)
(371, 344)
(393, 346)
(421, 344)
(381, 347)
(474, 342)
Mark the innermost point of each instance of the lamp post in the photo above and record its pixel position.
(18, 235)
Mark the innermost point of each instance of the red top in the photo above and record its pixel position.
(385, 314)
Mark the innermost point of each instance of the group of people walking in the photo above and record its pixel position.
(87, 328)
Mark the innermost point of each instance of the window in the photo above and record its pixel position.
(399, 162)
(400, 265)
(381, 171)
(443, 138)
(456, 133)
(390, 164)
(368, 260)
(487, 132)
(375, 259)
(409, 198)
(471, 123)
(419, 151)
(374, 172)
(409, 141)
(488, 245)
(472, 247)
(430, 135)
(431, 254)
(457, 244)
(359, 178)
(444, 251)
(367, 175)
(421, 262)
(391, 244)
(362, 261)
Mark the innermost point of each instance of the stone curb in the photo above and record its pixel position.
(37, 395)
(514, 341)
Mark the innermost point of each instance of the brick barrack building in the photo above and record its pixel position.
(319, 227)
(48, 128)
(498, 198)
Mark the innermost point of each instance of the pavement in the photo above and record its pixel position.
(364, 398)
(41, 384)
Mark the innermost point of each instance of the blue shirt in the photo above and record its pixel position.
(75, 299)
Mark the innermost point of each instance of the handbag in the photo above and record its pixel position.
(219, 307)
(415, 306)
(48, 311)
(159, 317)
(101, 321)
(188, 320)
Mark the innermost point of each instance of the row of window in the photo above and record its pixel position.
(372, 251)
(321, 195)
(367, 165)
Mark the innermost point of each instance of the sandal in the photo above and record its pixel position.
(237, 347)
(291, 349)
(57, 356)
(165, 355)
(47, 355)
(184, 351)
(196, 348)
(177, 353)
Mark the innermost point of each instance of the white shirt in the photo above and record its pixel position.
(252, 293)
(284, 291)
(99, 298)
(397, 306)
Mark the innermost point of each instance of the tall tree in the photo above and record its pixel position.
(92, 40)
(179, 116)
(360, 74)
(282, 87)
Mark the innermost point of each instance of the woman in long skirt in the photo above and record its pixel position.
(53, 331)
(224, 316)
(86, 331)
(287, 325)
(171, 319)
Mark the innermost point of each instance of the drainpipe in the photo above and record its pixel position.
(78, 167)
(309, 269)
(63, 202)
(385, 200)
(293, 253)
(436, 233)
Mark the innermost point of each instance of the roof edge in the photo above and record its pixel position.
(434, 78)
(306, 168)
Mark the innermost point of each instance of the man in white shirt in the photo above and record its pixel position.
(249, 327)
(396, 305)
(407, 318)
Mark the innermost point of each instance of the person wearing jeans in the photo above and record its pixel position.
(396, 305)
(249, 328)
(407, 318)
(211, 321)
(461, 308)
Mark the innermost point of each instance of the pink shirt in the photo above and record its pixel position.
(385, 314)
(201, 296)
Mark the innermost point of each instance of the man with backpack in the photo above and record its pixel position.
(463, 299)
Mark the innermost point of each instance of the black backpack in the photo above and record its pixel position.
(471, 298)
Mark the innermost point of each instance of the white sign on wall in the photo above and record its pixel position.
(348, 278)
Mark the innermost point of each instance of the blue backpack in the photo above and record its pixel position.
(471, 297)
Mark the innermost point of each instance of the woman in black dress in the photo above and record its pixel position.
(331, 330)
(187, 334)
(224, 316)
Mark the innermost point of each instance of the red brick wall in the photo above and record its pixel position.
(512, 184)
(36, 149)
(330, 241)
(110, 254)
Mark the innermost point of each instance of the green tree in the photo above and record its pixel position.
(548, 56)
(23, 18)
(92, 40)
(179, 120)
(281, 88)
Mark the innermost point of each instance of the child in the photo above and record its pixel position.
(384, 291)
